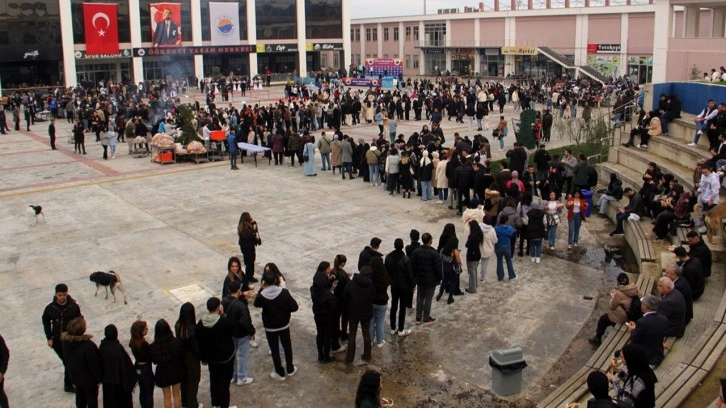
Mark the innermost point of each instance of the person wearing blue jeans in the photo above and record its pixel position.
(241, 363)
(374, 174)
(576, 207)
(704, 120)
(634, 206)
(378, 324)
(503, 248)
(552, 209)
(381, 281)
(426, 170)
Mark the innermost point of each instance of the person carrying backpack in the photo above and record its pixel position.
(623, 300)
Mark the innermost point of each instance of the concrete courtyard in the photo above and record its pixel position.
(169, 230)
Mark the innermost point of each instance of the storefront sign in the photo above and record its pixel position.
(144, 52)
(272, 48)
(434, 51)
(24, 53)
(80, 54)
(603, 48)
(519, 50)
(490, 51)
(324, 46)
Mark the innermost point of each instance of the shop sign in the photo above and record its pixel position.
(519, 50)
(324, 47)
(222, 49)
(81, 54)
(491, 51)
(603, 48)
(32, 54)
(272, 48)
(434, 51)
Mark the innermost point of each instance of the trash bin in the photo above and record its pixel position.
(507, 366)
(587, 195)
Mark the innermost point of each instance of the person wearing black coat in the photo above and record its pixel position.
(649, 331)
(55, 320)
(673, 307)
(517, 158)
(235, 308)
(399, 271)
(698, 249)
(427, 273)
(464, 180)
(369, 252)
(277, 306)
(185, 330)
(324, 310)
(692, 271)
(535, 231)
(119, 375)
(4, 358)
(341, 315)
(84, 363)
(358, 297)
(214, 334)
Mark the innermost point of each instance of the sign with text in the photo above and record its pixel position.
(272, 48)
(384, 67)
(519, 50)
(145, 52)
(603, 48)
(323, 46)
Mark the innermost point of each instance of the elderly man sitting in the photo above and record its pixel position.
(649, 331)
(673, 307)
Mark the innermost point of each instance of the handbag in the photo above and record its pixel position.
(306, 157)
(457, 268)
(553, 219)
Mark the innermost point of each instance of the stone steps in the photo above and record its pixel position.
(638, 159)
(678, 151)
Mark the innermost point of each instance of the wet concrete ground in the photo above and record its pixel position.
(169, 231)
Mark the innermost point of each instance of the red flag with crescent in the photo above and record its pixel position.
(101, 27)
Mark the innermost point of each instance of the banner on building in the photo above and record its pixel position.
(224, 23)
(384, 66)
(166, 30)
(603, 48)
(202, 50)
(100, 23)
(272, 48)
(519, 50)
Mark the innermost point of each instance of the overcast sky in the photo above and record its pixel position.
(391, 8)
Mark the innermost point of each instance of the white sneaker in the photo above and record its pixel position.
(275, 376)
(700, 132)
(294, 371)
(532, 259)
(393, 332)
(692, 144)
(439, 202)
(253, 343)
(537, 260)
(245, 381)
(381, 344)
(340, 350)
(404, 333)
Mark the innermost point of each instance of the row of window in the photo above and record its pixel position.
(372, 34)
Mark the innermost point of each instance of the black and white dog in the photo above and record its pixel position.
(35, 212)
(108, 279)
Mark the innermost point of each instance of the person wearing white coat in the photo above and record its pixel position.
(442, 183)
(486, 248)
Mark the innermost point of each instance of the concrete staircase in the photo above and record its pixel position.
(569, 63)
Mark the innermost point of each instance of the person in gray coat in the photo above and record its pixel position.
(347, 155)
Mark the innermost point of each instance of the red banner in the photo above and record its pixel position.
(101, 27)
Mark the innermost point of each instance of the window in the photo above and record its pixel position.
(368, 34)
(407, 62)
(415, 32)
(415, 61)
(352, 35)
(357, 34)
(375, 34)
(323, 60)
(435, 35)
(395, 56)
(336, 59)
(323, 18)
(408, 33)
(385, 55)
(275, 20)
(395, 33)
(385, 33)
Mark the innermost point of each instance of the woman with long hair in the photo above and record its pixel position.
(141, 350)
(405, 174)
(185, 331)
(324, 310)
(234, 273)
(576, 206)
(166, 353)
(368, 394)
(249, 239)
(473, 253)
(341, 321)
(636, 387)
(451, 265)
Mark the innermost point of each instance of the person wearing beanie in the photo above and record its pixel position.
(119, 376)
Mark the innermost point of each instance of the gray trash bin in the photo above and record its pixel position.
(507, 366)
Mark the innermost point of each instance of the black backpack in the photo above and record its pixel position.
(635, 312)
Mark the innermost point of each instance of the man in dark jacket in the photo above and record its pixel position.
(398, 267)
(541, 160)
(581, 174)
(649, 330)
(235, 309)
(692, 271)
(673, 307)
(427, 273)
(673, 272)
(364, 259)
(358, 298)
(517, 158)
(216, 346)
(635, 206)
(698, 249)
(55, 319)
(414, 235)
(464, 180)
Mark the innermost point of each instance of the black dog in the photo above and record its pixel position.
(108, 279)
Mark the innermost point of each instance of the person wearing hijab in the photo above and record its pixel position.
(119, 376)
(636, 386)
(597, 384)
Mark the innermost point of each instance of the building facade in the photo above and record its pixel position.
(614, 39)
(43, 42)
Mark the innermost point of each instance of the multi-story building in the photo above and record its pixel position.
(584, 37)
(44, 41)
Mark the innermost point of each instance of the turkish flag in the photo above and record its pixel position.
(101, 26)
